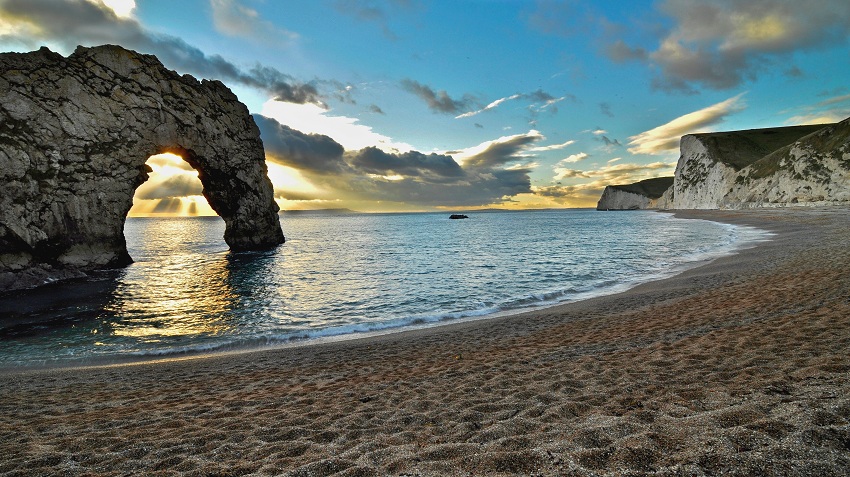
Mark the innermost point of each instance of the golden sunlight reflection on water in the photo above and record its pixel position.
(187, 295)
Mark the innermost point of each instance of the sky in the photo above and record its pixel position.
(408, 105)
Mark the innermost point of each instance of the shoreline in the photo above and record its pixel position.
(739, 365)
(380, 330)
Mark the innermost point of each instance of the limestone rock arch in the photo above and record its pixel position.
(75, 134)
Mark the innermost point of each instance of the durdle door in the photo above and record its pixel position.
(75, 133)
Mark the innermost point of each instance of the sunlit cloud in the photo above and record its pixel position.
(122, 8)
(172, 188)
(665, 138)
(830, 110)
(562, 170)
(490, 106)
(491, 173)
(513, 147)
(552, 147)
(312, 119)
(722, 44)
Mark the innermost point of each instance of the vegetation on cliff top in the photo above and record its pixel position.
(827, 139)
(739, 149)
(652, 188)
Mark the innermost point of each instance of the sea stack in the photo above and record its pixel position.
(76, 133)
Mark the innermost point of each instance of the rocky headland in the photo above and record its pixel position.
(645, 194)
(76, 133)
(774, 167)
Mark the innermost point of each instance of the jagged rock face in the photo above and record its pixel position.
(701, 180)
(75, 133)
(813, 170)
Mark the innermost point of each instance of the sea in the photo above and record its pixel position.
(342, 275)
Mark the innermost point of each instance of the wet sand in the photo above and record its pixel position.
(739, 367)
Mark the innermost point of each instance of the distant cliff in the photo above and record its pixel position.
(775, 167)
(640, 195)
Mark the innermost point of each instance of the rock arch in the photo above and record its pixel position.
(75, 134)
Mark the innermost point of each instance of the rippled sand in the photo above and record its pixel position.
(740, 367)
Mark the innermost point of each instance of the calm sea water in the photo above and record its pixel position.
(344, 275)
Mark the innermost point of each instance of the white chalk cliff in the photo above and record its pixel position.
(646, 194)
(775, 167)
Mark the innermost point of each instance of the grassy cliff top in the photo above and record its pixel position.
(739, 149)
(826, 140)
(652, 188)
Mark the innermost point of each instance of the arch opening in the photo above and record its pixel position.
(173, 189)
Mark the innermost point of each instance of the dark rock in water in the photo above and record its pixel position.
(458, 216)
(76, 133)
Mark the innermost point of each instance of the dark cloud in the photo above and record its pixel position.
(410, 164)
(439, 101)
(412, 177)
(609, 142)
(311, 152)
(80, 22)
(376, 109)
(479, 126)
(605, 108)
(620, 52)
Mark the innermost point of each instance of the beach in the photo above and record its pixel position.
(738, 367)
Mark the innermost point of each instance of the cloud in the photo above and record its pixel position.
(561, 169)
(348, 131)
(665, 138)
(174, 186)
(541, 101)
(620, 52)
(619, 173)
(570, 194)
(376, 109)
(552, 147)
(609, 144)
(372, 11)
(438, 101)
(69, 23)
(830, 110)
(234, 19)
(722, 44)
(605, 108)
(409, 178)
(306, 152)
(500, 151)
(489, 106)
(409, 164)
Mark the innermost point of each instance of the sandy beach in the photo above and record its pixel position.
(738, 367)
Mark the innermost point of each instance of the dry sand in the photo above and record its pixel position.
(739, 367)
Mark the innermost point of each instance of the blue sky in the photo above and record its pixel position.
(415, 105)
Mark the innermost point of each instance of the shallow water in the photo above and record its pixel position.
(344, 274)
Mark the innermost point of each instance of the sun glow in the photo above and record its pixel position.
(122, 8)
(172, 190)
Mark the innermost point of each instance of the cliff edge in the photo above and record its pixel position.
(75, 135)
(645, 194)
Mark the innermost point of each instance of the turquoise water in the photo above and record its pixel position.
(343, 275)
